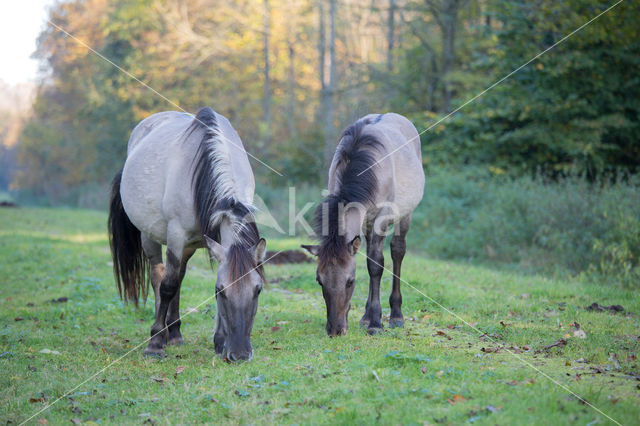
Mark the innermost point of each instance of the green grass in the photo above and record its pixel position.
(298, 375)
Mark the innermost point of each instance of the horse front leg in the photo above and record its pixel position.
(375, 265)
(219, 336)
(173, 314)
(398, 250)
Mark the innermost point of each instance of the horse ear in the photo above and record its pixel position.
(314, 250)
(216, 251)
(354, 245)
(259, 251)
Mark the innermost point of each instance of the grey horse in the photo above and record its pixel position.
(375, 180)
(187, 183)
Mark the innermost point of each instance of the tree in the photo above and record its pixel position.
(574, 110)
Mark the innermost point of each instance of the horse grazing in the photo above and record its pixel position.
(185, 186)
(375, 180)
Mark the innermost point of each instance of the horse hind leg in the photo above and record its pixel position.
(398, 250)
(153, 251)
(173, 314)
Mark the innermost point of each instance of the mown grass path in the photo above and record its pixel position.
(435, 370)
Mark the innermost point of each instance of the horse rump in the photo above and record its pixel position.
(130, 265)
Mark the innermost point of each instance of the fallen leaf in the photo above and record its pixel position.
(34, 400)
(560, 343)
(241, 393)
(18, 319)
(275, 328)
(490, 350)
(580, 334)
(512, 383)
(49, 351)
(442, 333)
(502, 323)
(179, 370)
(43, 421)
(76, 421)
(456, 398)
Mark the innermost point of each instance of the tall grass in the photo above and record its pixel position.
(567, 227)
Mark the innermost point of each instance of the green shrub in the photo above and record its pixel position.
(568, 226)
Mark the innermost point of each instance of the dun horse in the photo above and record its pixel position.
(375, 180)
(187, 183)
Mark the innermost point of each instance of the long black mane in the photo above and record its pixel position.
(357, 183)
(213, 198)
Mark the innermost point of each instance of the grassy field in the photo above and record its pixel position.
(62, 322)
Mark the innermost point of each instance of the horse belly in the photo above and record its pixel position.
(409, 186)
(142, 191)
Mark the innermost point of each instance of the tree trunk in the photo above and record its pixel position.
(267, 83)
(449, 20)
(321, 55)
(291, 120)
(391, 34)
(329, 87)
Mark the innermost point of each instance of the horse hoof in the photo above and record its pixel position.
(374, 330)
(396, 323)
(154, 353)
(176, 341)
(364, 323)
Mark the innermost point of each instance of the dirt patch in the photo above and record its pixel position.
(612, 308)
(288, 256)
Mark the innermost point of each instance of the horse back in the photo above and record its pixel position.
(398, 168)
(156, 179)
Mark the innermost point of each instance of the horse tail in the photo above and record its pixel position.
(130, 265)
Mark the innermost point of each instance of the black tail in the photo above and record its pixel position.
(130, 265)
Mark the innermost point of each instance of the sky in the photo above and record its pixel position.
(20, 24)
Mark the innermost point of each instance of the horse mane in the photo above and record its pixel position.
(357, 183)
(215, 196)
